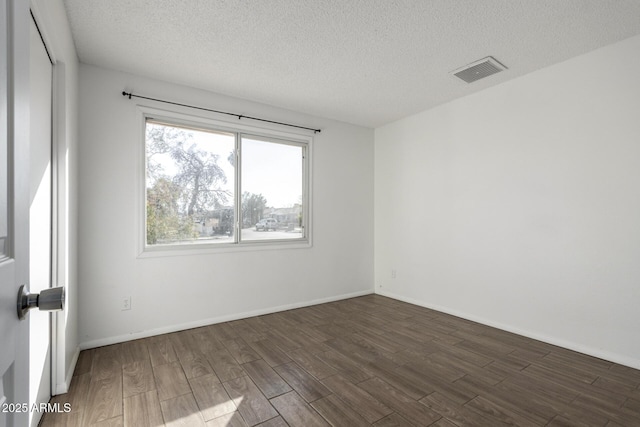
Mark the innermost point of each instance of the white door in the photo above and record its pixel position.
(39, 220)
(14, 209)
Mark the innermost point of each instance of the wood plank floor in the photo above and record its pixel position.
(358, 362)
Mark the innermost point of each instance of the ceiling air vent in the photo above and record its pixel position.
(479, 69)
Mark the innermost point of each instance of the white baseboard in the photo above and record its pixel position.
(599, 353)
(213, 320)
(62, 388)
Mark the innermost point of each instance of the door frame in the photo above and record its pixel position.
(59, 382)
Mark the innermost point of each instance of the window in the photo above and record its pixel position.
(272, 189)
(210, 185)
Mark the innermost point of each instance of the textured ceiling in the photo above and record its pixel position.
(367, 62)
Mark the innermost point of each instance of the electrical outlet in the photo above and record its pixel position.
(126, 303)
(393, 274)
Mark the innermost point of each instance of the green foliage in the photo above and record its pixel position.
(225, 221)
(164, 223)
(253, 206)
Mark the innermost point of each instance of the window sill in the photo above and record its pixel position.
(220, 248)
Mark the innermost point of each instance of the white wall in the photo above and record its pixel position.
(53, 24)
(170, 293)
(519, 206)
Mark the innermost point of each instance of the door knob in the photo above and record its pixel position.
(51, 299)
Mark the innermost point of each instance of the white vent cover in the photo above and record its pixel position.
(479, 69)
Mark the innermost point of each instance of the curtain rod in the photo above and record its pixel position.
(239, 116)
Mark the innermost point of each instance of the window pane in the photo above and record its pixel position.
(272, 193)
(189, 184)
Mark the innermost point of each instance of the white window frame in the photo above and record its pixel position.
(266, 133)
